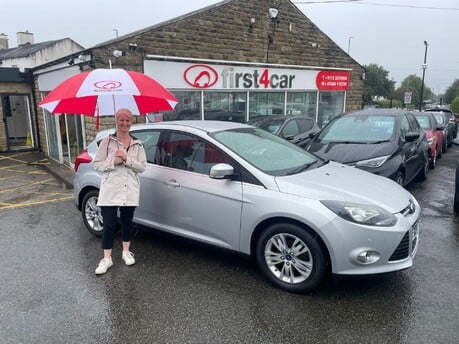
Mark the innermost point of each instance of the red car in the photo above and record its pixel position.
(434, 135)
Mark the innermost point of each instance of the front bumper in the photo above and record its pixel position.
(394, 247)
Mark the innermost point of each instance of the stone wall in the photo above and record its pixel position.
(222, 32)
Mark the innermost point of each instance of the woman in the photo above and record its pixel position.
(120, 158)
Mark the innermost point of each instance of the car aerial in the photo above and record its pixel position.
(296, 129)
(386, 142)
(451, 121)
(242, 188)
(434, 135)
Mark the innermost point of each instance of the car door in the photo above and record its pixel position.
(184, 199)
(416, 158)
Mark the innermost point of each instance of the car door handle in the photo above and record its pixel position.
(173, 183)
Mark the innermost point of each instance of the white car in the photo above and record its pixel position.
(239, 187)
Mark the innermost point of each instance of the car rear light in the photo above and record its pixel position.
(82, 158)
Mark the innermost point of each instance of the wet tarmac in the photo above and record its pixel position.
(182, 292)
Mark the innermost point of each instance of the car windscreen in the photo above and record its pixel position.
(267, 152)
(424, 122)
(358, 129)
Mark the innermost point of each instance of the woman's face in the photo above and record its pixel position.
(123, 122)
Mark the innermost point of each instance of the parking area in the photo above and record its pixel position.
(25, 182)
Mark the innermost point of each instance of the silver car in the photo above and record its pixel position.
(239, 187)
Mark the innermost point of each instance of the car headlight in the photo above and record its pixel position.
(363, 214)
(373, 163)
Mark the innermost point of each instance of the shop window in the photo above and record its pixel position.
(302, 104)
(266, 103)
(331, 104)
(188, 107)
(225, 106)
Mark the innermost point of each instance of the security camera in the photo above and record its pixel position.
(273, 13)
(118, 53)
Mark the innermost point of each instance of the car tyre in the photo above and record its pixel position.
(422, 175)
(400, 178)
(433, 162)
(291, 258)
(92, 216)
(444, 147)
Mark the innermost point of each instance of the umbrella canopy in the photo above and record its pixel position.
(102, 92)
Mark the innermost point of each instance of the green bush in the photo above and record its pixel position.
(455, 105)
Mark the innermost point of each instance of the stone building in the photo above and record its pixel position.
(18, 128)
(229, 61)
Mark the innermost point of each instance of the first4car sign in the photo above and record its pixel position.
(207, 76)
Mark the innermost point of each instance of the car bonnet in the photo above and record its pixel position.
(335, 181)
(351, 152)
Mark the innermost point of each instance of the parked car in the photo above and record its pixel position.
(387, 142)
(442, 119)
(452, 121)
(245, 189)
(434, 135)
(296, 129)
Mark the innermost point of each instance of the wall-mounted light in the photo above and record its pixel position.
(252, 23)
(118, 53)
(273, 12)
(132, 46)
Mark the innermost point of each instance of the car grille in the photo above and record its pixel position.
(403, 249)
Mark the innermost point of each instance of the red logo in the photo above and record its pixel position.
(108, 85)
(333, 80)
(200, 76)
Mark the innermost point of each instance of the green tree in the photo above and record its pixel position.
(452, 92)
(412, 83)
(376, 84)
(455, 105)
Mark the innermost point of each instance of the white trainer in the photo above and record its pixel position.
(103, 266)
(128, 257)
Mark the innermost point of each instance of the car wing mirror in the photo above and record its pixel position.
(409, 137)
(440, 127)
(221, 171)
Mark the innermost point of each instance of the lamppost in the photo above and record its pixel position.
(349, 44)
(424, 67)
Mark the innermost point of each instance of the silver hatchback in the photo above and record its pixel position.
(241, 188)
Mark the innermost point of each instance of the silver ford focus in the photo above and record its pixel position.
(241, 188)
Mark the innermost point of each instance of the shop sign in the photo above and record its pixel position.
(333, 81)
(182, 75)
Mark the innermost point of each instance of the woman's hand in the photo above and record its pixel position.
(120, 157)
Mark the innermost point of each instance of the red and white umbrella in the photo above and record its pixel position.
(102, 92)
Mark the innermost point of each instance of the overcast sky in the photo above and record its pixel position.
(390, 33)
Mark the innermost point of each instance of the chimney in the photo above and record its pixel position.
(24, 38)
(3, 41)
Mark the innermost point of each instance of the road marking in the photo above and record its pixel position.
(17, 171)
(27, 185)
(19, 205)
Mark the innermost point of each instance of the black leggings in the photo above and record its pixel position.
(109, 215)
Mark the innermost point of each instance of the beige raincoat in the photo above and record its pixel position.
(119, 185)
